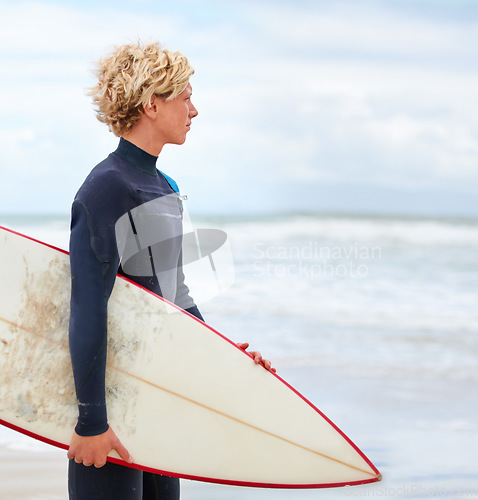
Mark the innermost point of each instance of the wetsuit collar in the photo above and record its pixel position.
(137, 157)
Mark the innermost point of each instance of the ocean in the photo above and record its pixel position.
(373, 318)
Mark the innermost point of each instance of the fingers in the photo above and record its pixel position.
(94, 450)
(259, 360)
(123, 453)
(264, 362)
(117, 445)
(268, 365)
(256, 356)
(98, 463)
(88, 461)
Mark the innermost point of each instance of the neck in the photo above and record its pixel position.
(143, 137)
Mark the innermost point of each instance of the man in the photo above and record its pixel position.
(143, 94)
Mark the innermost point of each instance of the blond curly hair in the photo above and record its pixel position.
(130, 76)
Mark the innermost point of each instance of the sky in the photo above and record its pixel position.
(364, 106)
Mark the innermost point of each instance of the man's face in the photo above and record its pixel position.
(174, 117)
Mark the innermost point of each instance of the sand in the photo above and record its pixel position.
(39, 473)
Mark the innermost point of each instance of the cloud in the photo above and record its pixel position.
(365, 29)
(310, 92)
(53, 29)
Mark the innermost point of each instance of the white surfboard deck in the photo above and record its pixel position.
(184, 400)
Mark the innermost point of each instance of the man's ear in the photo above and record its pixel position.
(151, 108)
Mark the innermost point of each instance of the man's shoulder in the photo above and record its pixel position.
(105, 179)
(172, 183)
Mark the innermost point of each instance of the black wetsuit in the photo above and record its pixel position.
(108, 208)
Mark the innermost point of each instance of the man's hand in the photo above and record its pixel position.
(258, 358)
(93, 450)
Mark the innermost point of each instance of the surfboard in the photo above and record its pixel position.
(184, 400)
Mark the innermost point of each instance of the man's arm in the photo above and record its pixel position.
(87, 330)
(93, 439)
